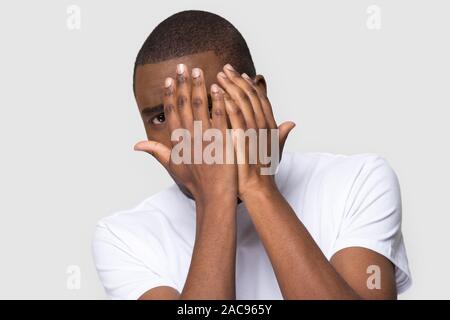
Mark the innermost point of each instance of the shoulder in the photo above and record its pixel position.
(134, 245)
(340, 184)
(336, 167)
(150, 218)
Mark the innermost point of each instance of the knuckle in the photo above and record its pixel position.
(218, 112)
(181, 79)
(181, 101)
(197, 82)
(243, 96)
(169, 91)
(197, 102)
(235, 110)
(251, 91)
(263, 96)
(216, 96)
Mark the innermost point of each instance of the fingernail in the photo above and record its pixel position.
(229, 67)
(195, 73)
(222, 75)
(215, 88)
(180, 68)
(245, 76)
(168, 82)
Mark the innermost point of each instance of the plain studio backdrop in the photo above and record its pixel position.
(68, 119)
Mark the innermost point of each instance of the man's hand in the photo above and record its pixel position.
(186, 101)
(214, 188)
(248, 107)
(302, 270)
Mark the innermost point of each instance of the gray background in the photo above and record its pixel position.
(68, 119)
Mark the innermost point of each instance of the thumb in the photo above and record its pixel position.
(284, 129)
(159, 151)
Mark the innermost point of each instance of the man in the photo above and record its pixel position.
(324, 227)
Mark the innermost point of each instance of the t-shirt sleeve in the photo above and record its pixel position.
(372, 217)
(123, 274)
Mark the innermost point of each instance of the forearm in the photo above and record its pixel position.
(212, 271)
(302, 270)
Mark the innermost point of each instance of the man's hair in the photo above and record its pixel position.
(193, 31)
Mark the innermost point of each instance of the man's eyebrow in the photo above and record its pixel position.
(153, 109)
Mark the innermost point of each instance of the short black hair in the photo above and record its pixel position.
(193, 31)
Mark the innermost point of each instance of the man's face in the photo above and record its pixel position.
(149, 84)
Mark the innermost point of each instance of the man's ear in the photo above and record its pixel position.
(260, 82)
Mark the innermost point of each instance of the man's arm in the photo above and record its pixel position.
(302, 270)
(214, 188)
(212, 270)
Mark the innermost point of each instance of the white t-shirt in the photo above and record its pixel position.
(343, 201)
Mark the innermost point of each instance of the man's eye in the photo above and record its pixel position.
(159, 119)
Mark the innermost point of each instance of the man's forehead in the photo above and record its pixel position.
(149, 78)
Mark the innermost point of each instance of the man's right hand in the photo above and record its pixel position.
(185, 101)
(214, 187)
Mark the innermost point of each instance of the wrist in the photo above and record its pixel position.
(210, 200)
(223, 205)
(262, 191)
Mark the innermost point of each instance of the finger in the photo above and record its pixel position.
(183, 97)
(266, 107)
(237, 119)
(219, 115)
(170, 111)
(200, 98)
(238, 125)
(240, 97)
(284, 129)
(159, 151)
(256, 103)
(248, 88)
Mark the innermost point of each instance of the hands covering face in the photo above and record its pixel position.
(239, 104)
